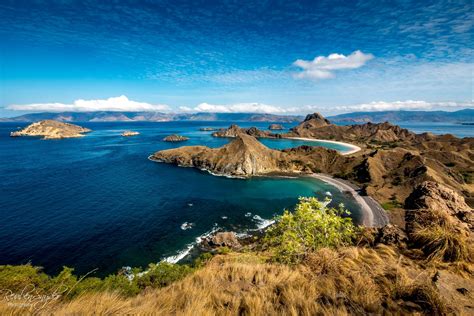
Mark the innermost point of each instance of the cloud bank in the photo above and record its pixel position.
(408, 105)
(322, 67)
(121, 103)
(237, 108)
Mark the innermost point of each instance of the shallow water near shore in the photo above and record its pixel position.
(98, 202)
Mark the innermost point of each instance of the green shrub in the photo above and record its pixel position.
(311, 226)
(202, 259)
(391, 205)
(15, 279)
(162, 274)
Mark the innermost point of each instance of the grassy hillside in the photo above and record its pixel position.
(335, 268)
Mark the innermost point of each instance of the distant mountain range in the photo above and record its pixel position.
(109, 116)
(461, 116)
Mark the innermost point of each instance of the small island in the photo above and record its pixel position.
(275, 127)
(175, 138)
(130, 133)
(50, 129)
(207, 129)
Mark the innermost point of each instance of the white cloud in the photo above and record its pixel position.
(397, 106)
(240, 108)
(121, 103)
(322, 67)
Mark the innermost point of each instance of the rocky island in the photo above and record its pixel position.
(175, 138)
(130, 133)
(207, 129)
(50, 129)
(234, 130)
(275, 127)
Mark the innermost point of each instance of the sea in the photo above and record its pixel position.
(98, 202)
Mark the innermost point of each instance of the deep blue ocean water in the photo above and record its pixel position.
(98, 202)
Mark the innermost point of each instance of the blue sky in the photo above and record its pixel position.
(266, 56)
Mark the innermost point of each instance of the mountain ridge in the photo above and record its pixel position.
(461, 116)
(111, 116)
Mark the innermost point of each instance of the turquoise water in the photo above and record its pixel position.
(98, 202)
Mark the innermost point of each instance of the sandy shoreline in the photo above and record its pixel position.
(373, 215)
(353, 148)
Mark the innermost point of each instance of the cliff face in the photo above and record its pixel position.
(50, 129)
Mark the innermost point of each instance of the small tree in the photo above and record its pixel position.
(311, 226)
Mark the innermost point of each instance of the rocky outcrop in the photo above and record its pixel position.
(431, 199)
(225, 239)
(275, 127)
(175, 138)
(234, 130)
(130, 133)
(391, 235)
(49, 129)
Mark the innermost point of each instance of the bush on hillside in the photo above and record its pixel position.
(441, 242)
(311, 226)
(18, 279)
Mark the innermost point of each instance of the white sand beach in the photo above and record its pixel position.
(373, 215)
(353, 148)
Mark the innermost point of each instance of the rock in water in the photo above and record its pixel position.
(50, 129)
(130, 133)
(275, 127)
(175, 138)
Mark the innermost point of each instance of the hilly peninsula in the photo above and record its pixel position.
(391, 163)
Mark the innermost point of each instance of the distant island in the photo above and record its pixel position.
(275, 127)
(130, 133)
(112, 116)
(49, 129)
(461, 116)
(175, 138)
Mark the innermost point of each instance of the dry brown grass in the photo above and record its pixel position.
(441, 238)
(352, 280)
(441, 242)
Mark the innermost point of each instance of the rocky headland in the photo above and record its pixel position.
(175, 138)
(49, 129)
